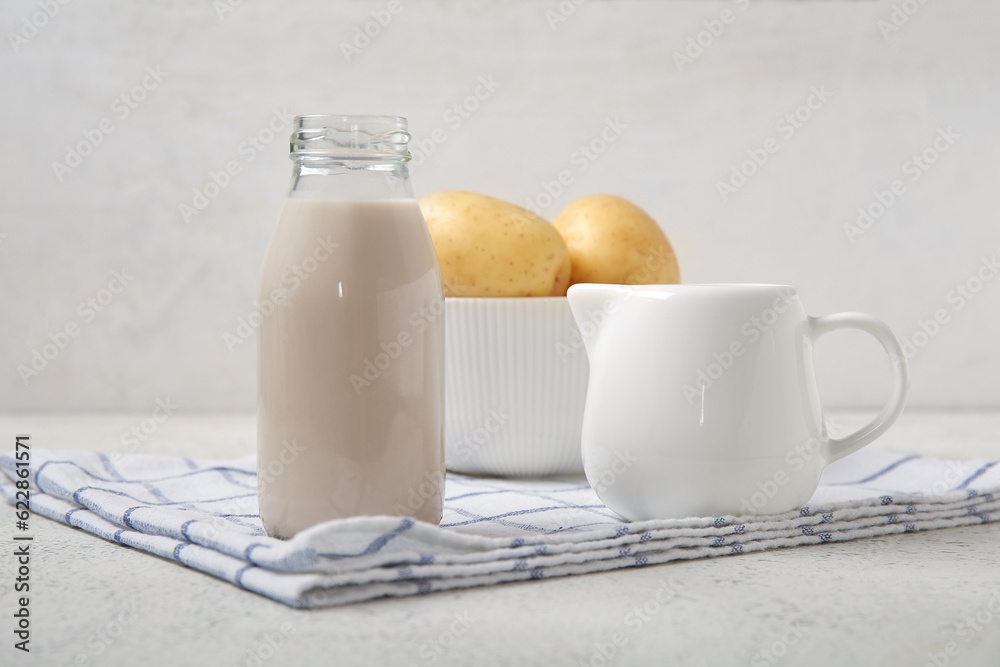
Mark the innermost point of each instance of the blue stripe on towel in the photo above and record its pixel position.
(238, 579)
(493, 530)
(883, 471)
(375, 545)
(976, 475)
(127, 517)
(168, 478)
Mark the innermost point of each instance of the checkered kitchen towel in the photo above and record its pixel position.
(203, 514)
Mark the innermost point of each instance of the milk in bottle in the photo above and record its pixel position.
(350, 356)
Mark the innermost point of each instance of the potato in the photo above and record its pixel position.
(611, 240)
(488, 247)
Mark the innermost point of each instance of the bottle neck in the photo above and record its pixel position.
(351, 179)
(351, 158)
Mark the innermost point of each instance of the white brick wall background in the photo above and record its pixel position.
(199, 79)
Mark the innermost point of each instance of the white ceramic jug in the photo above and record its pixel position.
(702, 399)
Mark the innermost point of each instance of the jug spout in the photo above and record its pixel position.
(592, 304)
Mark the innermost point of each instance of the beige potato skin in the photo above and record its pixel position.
(611, 240)
(487, 247)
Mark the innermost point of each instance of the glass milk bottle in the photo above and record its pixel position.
(350, 353)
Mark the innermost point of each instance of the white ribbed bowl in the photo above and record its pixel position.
(515, 384)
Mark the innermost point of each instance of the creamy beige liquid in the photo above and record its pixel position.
(350, 366)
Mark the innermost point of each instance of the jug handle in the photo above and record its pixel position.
(818, 326)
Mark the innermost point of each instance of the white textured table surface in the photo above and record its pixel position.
(918, 599)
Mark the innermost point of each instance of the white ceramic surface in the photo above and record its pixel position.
(703, 399)
(515, 384)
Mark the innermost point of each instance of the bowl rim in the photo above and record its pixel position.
(502, 299)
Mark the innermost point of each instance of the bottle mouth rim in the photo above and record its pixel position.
(352, 116)
(345, 136)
